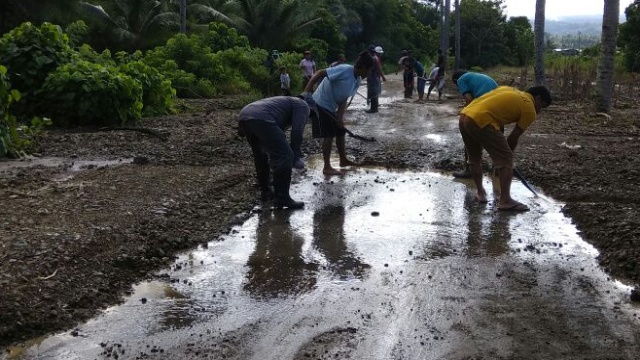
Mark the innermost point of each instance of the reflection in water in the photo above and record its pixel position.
(481, 241)
(276, 267)
(329, 236)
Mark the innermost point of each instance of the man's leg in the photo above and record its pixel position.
(260, 160)
(374, 105)
(501, 154)
(327, 144)
(273, 141)
(469, 130)
(431, 86)
(342, 152)
(466, 172)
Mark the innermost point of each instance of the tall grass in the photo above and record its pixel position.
(572, 78)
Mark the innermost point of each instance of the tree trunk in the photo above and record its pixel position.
(604, 82)
(457, 35)
(445, 39)
(539, 42)
(183, 16)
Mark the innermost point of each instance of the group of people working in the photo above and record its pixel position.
(488, 108)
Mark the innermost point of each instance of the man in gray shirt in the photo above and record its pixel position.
(263, 122)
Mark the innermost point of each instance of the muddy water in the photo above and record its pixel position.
(379, 265)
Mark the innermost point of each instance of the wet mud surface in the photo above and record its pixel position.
(72, 242)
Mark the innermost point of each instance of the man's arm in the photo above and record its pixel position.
(317, 76)
(468, 98)
(512, 140)
(380, 71)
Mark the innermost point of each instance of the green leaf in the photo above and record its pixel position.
(15, 94)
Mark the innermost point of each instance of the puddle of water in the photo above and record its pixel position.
(400, 258)
(70, 166)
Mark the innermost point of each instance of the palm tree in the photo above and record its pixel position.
(15, 12)
(538, 30)
(604, 82)
(272, 24)
(134, 24)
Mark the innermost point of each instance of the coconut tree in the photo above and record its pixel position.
(206, 11)
(133, 24)
(604, 82)
(272, 24)
(445, 37)
(538, 34)
(15, 12)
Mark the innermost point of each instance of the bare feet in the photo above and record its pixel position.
(332, 171)
(347, 162)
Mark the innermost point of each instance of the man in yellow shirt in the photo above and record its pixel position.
(480, 124)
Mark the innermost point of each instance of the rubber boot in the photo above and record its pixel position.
(281, 185)
(374, 106)
(264, 179)
(266, 194)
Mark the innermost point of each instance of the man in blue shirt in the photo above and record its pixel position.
(337, 85)
(471, 85)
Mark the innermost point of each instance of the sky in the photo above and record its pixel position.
(559, 8)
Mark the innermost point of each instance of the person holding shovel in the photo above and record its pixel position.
(480, 124)
(471, 85)
(263, 123)
(337, 85)
(374, 79)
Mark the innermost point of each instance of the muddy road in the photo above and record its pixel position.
(383, 263)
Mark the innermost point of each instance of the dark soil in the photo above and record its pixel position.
(72, 246)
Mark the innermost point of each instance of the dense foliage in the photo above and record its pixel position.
(31, 53)
(85, 93)
(629, 38)
(15, 139)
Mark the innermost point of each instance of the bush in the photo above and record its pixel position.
(15, 140)
(31, 53)
(157, 93)
(83, 93)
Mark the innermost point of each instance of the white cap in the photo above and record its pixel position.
(378, 49)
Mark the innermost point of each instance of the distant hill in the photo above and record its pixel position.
(586, 25)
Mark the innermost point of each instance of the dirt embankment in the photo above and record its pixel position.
(70, 246)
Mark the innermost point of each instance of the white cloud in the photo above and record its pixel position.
(559, 8)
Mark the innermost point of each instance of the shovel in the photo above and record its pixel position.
(349, 132)
(524, 182)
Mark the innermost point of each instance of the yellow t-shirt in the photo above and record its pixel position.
(502, 106)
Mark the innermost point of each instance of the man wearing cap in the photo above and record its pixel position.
(308, 67)
(471, 85)
(480, 124)
(374, 85)
(263, 123)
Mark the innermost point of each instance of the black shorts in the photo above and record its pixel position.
(326, 125)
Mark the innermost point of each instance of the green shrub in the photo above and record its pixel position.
(83, 93)
(31, 53)
(220, 37)
(157, 93)
(15, 140)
